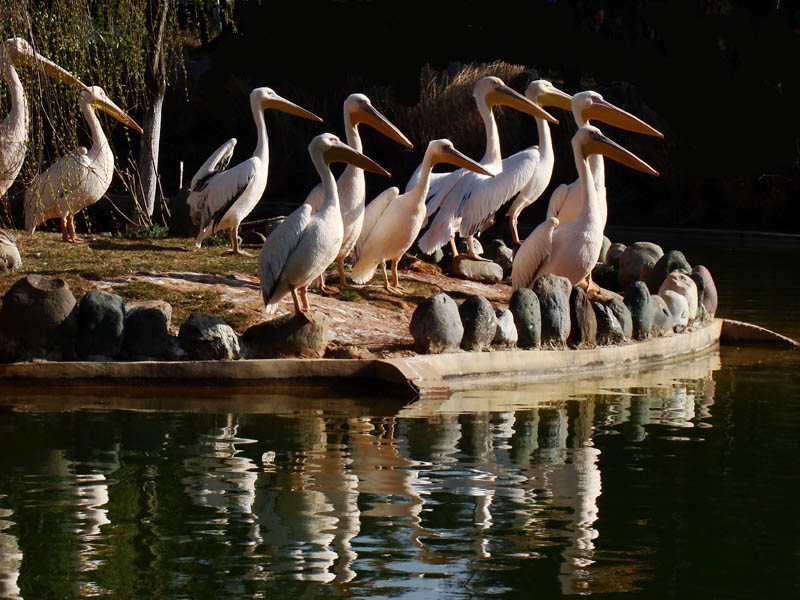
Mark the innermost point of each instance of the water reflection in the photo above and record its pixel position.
(474, 490)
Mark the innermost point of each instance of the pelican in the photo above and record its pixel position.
(221, 199)
(393, 220)
(302, 246)
(352, 190)
(14, 129)
(545, 94)
(79, 179)
(565, 201)
(466, 200)
(570, 250)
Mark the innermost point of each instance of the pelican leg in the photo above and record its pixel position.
(342, 279)
(305, 309)
(68, 230)
(234, 237)
(64, 234)
(397, 288)
(385, 277)
(512, 224)
(326, 289)
(453, 248)
(471, 251)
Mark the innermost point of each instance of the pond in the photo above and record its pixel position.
(671, 482)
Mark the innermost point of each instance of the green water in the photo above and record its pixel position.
(673, 483)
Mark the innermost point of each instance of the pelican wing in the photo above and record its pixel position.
(446, 222)
(217, 162)
(533, 253)
(221, 192)
(275, 252)
(482, 196)
(531, 191)
(372, 215)
(557, 200)
(441, 184)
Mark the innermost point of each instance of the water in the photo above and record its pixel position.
(674, 482)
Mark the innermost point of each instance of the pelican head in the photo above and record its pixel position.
(589, 105)
(591, 140)
(545, 93)
(266, 98)
(332, 149)
(491, 91)
(96, 97)
(444, 152)
(360, 110)
(20, 53)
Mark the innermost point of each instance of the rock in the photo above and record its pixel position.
(614, 253)
(583, 323)
(206, 337)
(101, 324)
(290, 335)
(636, 262)
(436, 325)
(623, 316)
(336, 350)
(461, 246)
(41, 316)
(147, 329)
(683, 284)
(554, 292)
(673, 260)
(524, 307)
(601, 258)
(476, 270)
(710, 297)
(480, 323)
(663, 322)
(678, 307)
(609, 331)
(434, 257)
(637, 299)
(498, 252)
(506, 335)
(9, 253)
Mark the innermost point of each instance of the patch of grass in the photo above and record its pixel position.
(145, 232)
(350, 295)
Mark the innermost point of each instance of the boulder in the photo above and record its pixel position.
(524, 307)
(678, 307)
(499, 253)
(480, 323)
(40, 315)
(101, 324)
(609, 330)
(290, 335)
(583, 323)
(673, 260)
(506, 335)
(637, 299)
(476, 270)
(461, 246)
(436, 325)
(206, 337)
(614, 253)
(710, 297)
(663, 322)
(554, 292)
(147, 329)
(636, 262)
(623, 316)
(683, 284)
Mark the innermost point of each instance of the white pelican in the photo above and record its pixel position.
(467, 200)
(221, 199)
(393, 220)
(565, 201)
(79, 179)
(14, 129)
(352, 189)
(571, 250)
(304, 244)
(545, 94)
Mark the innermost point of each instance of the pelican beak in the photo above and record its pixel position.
(613, 115)
(600, 144)
(454, 157)
(287, 106)
(556, 98)
(108, 107)
(369, 115)
(22, 54)
(506, 96)
(341, 152)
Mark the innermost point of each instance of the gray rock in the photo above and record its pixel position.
(677, 306)
(609, 331)
(147, 329)
(476, 270)
(663, 321)
(601, 258)
(206, 337)
(480, 323)
(583, 323)
(554, 292)
(506, 335)
(623, 316)
(710, 297)
(498, 252)
(683, 284)
(637, 299)
(672, 260)
(436, 326)
(101, 324)
(614, 253)
(461, 245)
(524, 307)
(636, 262)
(286, 336)
(41, 316)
